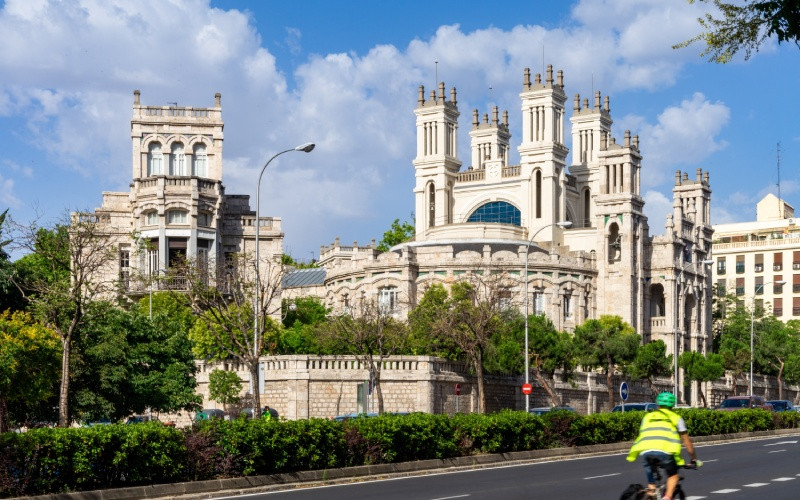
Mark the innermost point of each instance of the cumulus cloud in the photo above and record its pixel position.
(7, 196)
(656, 208)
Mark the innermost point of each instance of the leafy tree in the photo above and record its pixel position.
(29, 356)
(469, 319)
(68, 261)
(420, 321)
(733, 340)
(8, 293)
(745, 26)
(398, 233)
(224, 386)
(775, 343)
(550, 350)
(370, 334)
(607, 343)
(289, 261)
(224, 304)
(125, 363)
(299, 333)
(651, 361)
(701, 368)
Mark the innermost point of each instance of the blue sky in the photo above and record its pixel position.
(344, 74)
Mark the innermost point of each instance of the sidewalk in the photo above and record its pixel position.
(257, 484)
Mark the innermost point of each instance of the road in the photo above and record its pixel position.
(764, 468)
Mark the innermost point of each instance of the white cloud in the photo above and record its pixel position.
(7, 195)
(694, 125)
(657, 207)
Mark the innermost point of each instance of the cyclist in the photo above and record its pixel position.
(660, 437)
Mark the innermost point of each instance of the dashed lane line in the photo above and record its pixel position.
(783, 479)
(604, 475)
(755, 485)
(727, 490)
(694, 498)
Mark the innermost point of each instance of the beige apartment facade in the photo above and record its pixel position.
(751, 258)
(492, 217)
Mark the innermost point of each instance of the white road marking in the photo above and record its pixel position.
(604, 475)
(447, 498)
(728, 490)
(781, 442)
(755, 485)
(783, 479)
(694, 498)
(776, 451)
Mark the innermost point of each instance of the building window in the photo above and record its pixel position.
(739, 264)
(155, 160)
(177, 217)
(795, 306)
(759, 266)
(567, 306)
(796, 283)
(151, 265)
(200, 161)
(124, 266)
(759, 288)
(387, 300)
(538, 302)
(721, 288)
(777, 309)
(497, 211)
(796, 260)
(204, 219)
(721, 265)
(504, 299)
(177, 160)
(776, 287)
(151, 218)
(777, 261)
(739, 287)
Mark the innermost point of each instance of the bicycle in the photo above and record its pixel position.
(661, 481)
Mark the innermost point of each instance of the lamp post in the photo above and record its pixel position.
(527, 249)
(752, 321)
(677, 321)
(306, 148)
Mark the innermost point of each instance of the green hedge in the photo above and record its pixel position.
(44, 461)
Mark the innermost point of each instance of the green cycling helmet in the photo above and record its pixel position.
(666, 399)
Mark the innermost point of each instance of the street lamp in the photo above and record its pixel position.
(678, 321)
(306, 148)
(752, 320)
(563, 224)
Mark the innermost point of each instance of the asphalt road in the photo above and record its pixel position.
(764, 468)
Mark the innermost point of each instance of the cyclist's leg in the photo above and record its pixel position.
(652, 460)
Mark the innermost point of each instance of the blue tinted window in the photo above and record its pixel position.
(497, 211)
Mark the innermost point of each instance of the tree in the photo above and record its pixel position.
(7, 289)
(398, 233)
(550, 350)
(29, 356)
(733, 339)
(370, 334)
(469, 318)
(701, 368)
(651, 361)
(745, 26)
(224, 301)
(224, 386)
(299, 334)
(127, 363)
(775, 343)
(607, 343)
(70, 260)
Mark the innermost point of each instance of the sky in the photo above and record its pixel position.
(344, 75)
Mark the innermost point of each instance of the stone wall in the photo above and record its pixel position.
(302, 386)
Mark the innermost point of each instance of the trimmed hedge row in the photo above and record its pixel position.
(44, 461)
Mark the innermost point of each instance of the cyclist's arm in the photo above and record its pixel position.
(687, 443)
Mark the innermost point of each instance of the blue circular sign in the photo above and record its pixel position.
(623, 391)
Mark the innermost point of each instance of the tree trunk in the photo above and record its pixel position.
(63, 392)
(780, 381)
(253, 365)
(610, 385)
(481, 388)
(546, 386)
(376, 380)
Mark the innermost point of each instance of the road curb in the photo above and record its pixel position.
(256, 484)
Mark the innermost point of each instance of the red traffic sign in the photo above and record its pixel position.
(527, 389)
(458, 389)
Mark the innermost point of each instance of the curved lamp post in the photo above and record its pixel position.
(306, 148)
(752, 320)
(677, 319)
(563, 224)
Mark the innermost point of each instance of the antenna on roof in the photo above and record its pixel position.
(781, 214)
(436, 74)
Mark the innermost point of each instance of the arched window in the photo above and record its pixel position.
(200, 165)
(538, 193)
(587, 209)
(614, 243)
(151, 218)
(657, 300)
(497, 211)
(155, 160)
(387, 299)
(431, 205)
(177, 160)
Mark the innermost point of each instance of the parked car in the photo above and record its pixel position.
(209, 413)
(733, 403)
(781, 405)
(547, 409)
(635, 407)
(138, 419)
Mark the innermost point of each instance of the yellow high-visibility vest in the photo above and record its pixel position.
(659, 431)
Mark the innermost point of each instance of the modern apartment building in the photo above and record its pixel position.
(750, 258)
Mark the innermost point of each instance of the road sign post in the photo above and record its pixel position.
(623, 393)
(527, 389)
